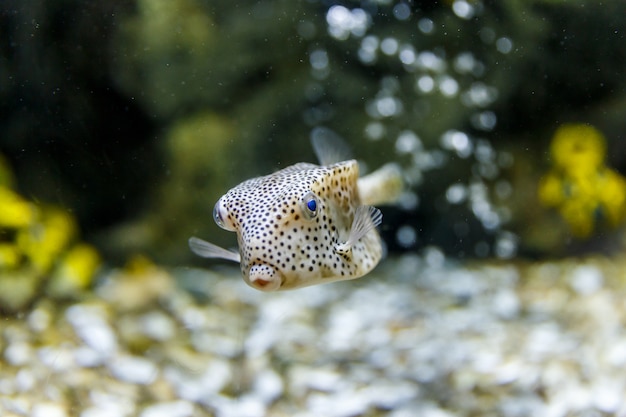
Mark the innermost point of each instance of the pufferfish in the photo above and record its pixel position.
(306, 224)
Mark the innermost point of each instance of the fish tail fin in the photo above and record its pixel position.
(383, 186)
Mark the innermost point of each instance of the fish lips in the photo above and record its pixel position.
(264, 277)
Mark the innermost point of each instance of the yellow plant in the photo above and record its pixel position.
(75, 271)
(579, 186)
(45, 240)
(578, 150)
(14, 210)
(10, 256)
(39, 243)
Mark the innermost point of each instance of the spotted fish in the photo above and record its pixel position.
(306, 224)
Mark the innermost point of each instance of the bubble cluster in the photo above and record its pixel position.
(434, 74)
(343, 22)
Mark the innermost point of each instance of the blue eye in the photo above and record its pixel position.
(309, 205)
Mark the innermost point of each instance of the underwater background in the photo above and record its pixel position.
(122, 123)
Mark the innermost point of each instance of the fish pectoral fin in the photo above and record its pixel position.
(209, 250)
(365, 219)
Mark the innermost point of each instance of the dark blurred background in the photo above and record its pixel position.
(136, 116)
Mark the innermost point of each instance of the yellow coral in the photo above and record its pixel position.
(34, 243)
(578, 149)
(15, 212)
(551, 190)
(9, 256)
(139, 266)
(579, 186)
(76, 270)
(612, 196)
(44, 241)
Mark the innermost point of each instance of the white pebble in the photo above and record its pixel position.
(244, 406)
(586, 279)
(346, 403)
(25, 380)
(90, 326)
(268, 385)
(102, 412)
(607, 395)
(303, 378)
(343, 328)
(57, 359)
(87, 357)
(99, 337)
(48, 410)
(509, 372)
(391, 395)
(198, 387)
(133, 369)
(573, 398)
(109, 404)
(18, 353)
(616, 354)
(169, 409)
(428, 410)
(7, 387)
(382, 357)
(17, 405)
(506, 304)
(158, 326)
(194, 318)
(39, 319)
(212, 342)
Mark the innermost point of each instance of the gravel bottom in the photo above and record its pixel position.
(419, 336)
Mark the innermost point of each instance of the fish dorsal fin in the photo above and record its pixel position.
(365, 219)
(209, 250)
(329, 147)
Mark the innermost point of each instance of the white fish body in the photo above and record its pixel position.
(305, 224)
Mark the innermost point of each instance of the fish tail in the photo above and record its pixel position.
(383, 186)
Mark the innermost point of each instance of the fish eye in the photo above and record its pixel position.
(218, 217)
(310, 205)
(221, 217)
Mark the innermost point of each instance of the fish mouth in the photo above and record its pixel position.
(264, 277)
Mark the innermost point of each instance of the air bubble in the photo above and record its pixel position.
(456, 193)
(408, 142)
(389, 46)
(486, 120)
(463, 9)
(401, 11)
(318, 59)
(407, 55)
(425, 84)
(506, 245)
(448, 86)
(406, 236)
(408, 201)
(504, 45)
(375, 130)
(425, 25)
